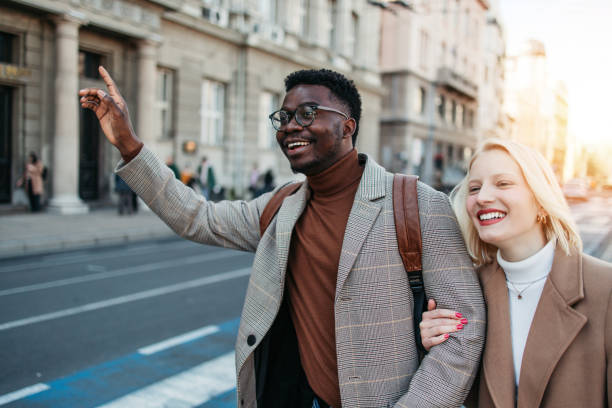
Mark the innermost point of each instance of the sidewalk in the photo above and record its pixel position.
(25, 234)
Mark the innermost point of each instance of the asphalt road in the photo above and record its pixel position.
(74, 321)
(594, 219)
(152, 323)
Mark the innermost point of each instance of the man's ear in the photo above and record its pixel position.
(349, 128)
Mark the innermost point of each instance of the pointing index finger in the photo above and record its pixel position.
(110, 84)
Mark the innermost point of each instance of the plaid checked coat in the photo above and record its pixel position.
(378, 363)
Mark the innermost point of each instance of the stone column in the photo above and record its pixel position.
(147, 76)
(65, 169)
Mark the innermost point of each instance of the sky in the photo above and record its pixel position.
(577, 35)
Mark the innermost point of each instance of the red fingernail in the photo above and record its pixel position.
(460, 326)
(446, 335)
(464, 321)
(459, 315)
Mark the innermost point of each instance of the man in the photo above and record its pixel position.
(327, 319)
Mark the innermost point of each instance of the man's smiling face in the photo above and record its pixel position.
(314, 148)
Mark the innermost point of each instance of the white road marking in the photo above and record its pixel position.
(593, 229)
(22, 393)
(220, 277)
(56, 260)
(177, 340)
(187, 389)
(120, 272)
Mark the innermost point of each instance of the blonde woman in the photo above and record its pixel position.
(549, 313)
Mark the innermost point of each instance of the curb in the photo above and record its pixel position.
(51, 244)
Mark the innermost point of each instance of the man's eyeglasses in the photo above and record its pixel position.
(304, 115)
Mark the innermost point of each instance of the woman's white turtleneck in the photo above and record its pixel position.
(527, 277)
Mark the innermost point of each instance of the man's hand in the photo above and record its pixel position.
(112, 112)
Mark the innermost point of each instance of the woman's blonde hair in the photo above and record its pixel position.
(542, 182)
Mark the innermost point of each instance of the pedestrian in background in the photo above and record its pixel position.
(187, 176)
(206, 177)
(125, 196)
(268, 182)
(549, 331)
(253, 180)
(170, 163)
(33, 180)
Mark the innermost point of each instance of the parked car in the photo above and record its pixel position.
(576, 189)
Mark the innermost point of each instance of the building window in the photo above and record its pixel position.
(333, 19)
(7, 48)
(269, 10)
(448, 111)
(212, 112)
(470, 119)
(460, 110)
(424, 48)
(419, 103)
(304, 13)
(353, 44)
(442, 107)
(165, 102)
(454, 112)
(89, 63)
(266, 137)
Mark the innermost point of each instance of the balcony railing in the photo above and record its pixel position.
(453, 80)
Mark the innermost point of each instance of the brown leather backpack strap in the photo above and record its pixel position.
(408, 231)
(274, 205)
(407, 224)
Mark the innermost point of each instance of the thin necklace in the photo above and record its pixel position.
(519, 293)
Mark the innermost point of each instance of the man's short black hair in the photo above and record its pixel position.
(340, 86)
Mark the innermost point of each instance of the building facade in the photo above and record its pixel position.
(432, 59)
(200, 78)
(491, 120)
(539, 106)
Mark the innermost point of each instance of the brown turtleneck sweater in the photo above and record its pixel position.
(313, 267)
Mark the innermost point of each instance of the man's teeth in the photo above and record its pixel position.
(293, 145)
(491, 215)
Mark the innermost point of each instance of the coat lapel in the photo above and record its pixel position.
(364, 212)
(555, 325)
(288, 214)
(497, 365)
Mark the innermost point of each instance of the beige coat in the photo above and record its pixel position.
(34, 173)
(567, 357)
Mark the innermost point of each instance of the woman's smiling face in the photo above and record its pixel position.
(502, 206)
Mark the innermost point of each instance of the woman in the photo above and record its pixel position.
(33, 178)
(549, 330)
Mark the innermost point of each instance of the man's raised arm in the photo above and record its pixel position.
(227, 224)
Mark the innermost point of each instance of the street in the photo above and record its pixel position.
(594, 219)
(76, 328)
(150, 323)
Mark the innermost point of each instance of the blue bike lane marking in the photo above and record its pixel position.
(114, 379)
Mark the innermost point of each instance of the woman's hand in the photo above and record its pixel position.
(112, 112)
(437, 324)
